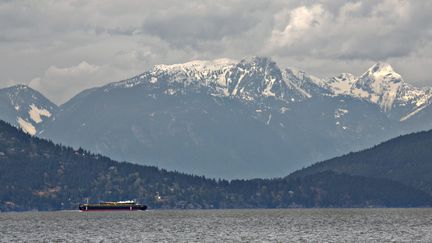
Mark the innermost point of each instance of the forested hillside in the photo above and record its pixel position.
(36, 174)
(407, 159)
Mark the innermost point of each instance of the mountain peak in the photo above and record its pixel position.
(380, 84)
(257, 59)
(214, 64)
(18, 87)
(198, 65)
(25, 107)
(381, 67)
(382, 71)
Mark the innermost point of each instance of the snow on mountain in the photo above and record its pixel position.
(26, 126)
(24, 107)
(249, 80)
(259, 77)
(380, 85)
(307, 84)
(190, 74)
(197, 67)
(195, 72)
(36, 113)
(415, 99)
(256, 79)
(342, 84)
(383, 86)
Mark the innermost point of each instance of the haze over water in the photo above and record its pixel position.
(284, 225)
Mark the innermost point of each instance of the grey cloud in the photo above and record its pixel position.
(61, 83)
(186, 30)
(123, 38)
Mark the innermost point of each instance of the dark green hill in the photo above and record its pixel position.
(36, 174)
(407, 159)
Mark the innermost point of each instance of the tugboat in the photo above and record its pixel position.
(112, 206)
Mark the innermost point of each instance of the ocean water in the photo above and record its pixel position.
(279, 225)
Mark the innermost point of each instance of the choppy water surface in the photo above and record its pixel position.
(286, 225)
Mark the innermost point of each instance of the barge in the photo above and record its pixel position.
(112, 206)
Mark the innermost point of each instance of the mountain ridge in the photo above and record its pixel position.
(380, 74)
(298, 83)
(405, 159)
(223, 118)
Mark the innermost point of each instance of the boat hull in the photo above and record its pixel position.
(85, 208)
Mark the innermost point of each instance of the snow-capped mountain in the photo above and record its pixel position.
(379, 85)
(382, 86)
(237, 119)
(249, 80)
(24, 107)
(259, 78)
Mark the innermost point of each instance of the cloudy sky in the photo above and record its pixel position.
(62, 47)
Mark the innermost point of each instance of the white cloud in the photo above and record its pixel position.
(300, 22)
(357, 30)
(61, 83)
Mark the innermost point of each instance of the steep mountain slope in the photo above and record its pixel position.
(407, 159)
(379, 85)
(383, 86)
(193, 134)
(25, 108)
(38, 175)
(219, 118)
(420, 120)
(243, 119)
